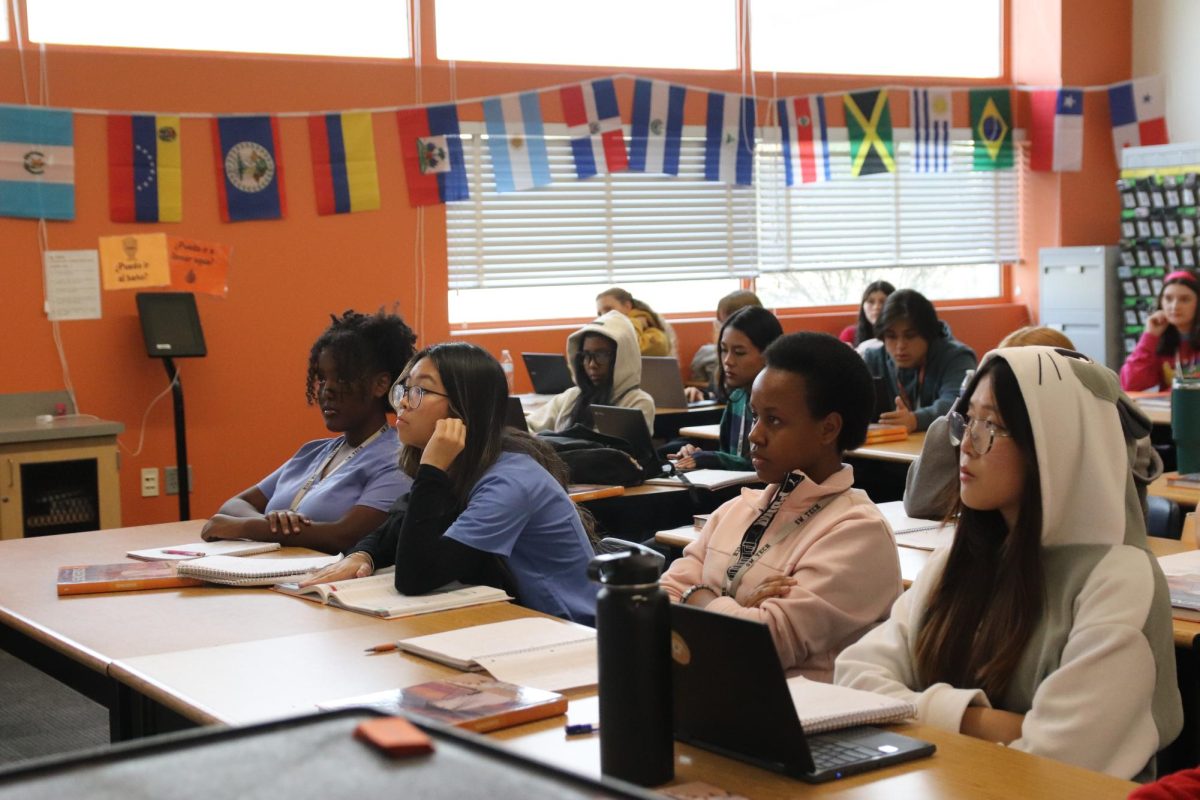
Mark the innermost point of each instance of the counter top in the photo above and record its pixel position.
(16, 431)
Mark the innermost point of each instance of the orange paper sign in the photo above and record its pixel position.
(136, 261)
(199, 266)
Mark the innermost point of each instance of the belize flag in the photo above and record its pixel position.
(594, 125)
(729, 139)
(431, 144)
(145, 175)
(37, 163)
(343, 152)
(249, 168)
(657, 131)
(1056, 130)
(805, 139)
(517, 142)
(1138, 112)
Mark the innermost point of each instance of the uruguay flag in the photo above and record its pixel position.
(657, 130)
(1056, 130)
(431, 144)
(805, 139)
(729, 139)
(249, 168)
(932, 112)
(1138, 113)
(517, 142)
(343, 152)
(594, 125)
(145, 171)
(37, 163)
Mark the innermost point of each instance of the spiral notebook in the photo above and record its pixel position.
(238, 571)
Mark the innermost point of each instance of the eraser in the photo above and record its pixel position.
(395, 736)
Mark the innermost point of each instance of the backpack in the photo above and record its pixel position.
(592, 457)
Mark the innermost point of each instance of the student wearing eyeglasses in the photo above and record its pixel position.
(607, 367)
(333, 492)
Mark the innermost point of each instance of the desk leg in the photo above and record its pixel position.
(134, 715)
(1184, 752)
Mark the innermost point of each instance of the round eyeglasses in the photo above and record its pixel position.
(413, 395)
(968, 428)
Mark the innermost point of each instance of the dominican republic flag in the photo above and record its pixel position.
(805, 139)
(657, 130)
(145, 175)
(729, 139)
(249, 168)
(433, 155)
(517, 141)
(1056, 128)
(594, 125)
(932, 115)
(1138, 112)
(37, 163)
(344, 171)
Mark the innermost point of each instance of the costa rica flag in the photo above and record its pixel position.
(431, 144)
(145, 175)
(249, 168)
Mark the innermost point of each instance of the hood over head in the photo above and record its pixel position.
(627, 366)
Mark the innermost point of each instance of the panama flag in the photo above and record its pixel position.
(344, 170)
(517, 141)
(431, 144)
(1138, 113)
(729, 139)
(594, 125)
(1056, 128)
(249, 168)
(145, 175)
(37, 163)
(932, 114)
(805, 139)
(657, 131)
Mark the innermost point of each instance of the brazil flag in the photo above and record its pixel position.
(869, 123)
(991, 127)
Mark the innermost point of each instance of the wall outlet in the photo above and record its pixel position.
(150, 482)
(171, 479)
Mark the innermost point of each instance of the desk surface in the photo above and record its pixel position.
(904, 451)
(1188, 498)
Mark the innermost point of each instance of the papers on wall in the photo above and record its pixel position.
(72, 284)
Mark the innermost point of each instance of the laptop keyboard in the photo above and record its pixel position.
(830, 752)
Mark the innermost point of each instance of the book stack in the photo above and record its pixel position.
(878, 433)
(1184, 480)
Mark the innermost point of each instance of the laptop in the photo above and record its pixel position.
(731, 697)
(661, 380)
(548, 372)
(514, 415)
(629, 425)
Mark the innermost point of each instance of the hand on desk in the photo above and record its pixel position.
(223, 526)
(355, 565)
(683, 460)
(286, 522)
(693, 394)
(901, 416)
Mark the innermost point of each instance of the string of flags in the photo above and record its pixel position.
(37, 171)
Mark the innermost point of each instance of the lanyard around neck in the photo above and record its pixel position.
(317, 475)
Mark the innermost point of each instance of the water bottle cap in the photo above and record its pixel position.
(630, 568)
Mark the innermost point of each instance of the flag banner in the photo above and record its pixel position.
(869, 125)
(145, 174)
(805, 139)
(594, 125)
(1138, 112)
(932, 117)
(431, 144)
(344, 166)
(657, 130)
(249, 168)
(729, 139)
(37, 163)
(1056, 130)
(517, 142)
(991, 126)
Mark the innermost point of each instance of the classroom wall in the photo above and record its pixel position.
(245, 406)
(1164, 43)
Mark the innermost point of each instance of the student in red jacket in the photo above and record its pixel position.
(1171, 339)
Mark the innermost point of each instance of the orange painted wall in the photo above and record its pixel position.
(245, 405)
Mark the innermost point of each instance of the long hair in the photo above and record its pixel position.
(362, 345)
(865, 329)
(992, 591)
(758, 324)
(909, 305)
(589, 393)
(1168, 343)
(625, 298)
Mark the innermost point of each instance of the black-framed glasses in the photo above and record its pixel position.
(969, 428)
(413, 394)
(602, 358)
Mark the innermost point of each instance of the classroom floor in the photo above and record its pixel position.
(40, 716)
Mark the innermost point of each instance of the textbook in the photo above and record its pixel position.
(475, 702)
(1185, 480)
(124, 577)
(708, 478)
(828, 707)
(238, 571)
(878, 433)
(224, 547)
(537, 651)
(922, 534)
(1185, 596)
(376, 595)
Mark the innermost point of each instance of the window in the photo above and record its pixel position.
(947, 38)
(837, 287)
(4, 35)
(679, 34)
(357, 28)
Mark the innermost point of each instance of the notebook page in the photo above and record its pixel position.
(238, 567)
(1186, 563)
(827, 707)
(467, 645)
(221, 547)
(554, 668)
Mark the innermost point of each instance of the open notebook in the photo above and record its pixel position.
(238, 571)
(189, 550)
(922, 534)
(376, 595)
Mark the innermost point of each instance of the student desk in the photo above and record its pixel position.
(1184, 496)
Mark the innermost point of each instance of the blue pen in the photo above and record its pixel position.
(582, 728)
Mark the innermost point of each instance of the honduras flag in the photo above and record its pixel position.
(729, 139)
(657, 131)
(37, 163)
(517, 142)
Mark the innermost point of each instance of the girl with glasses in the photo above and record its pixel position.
(607, 367)
(333, 492)
(1046, 626)
(1171, 340)
(488, 504)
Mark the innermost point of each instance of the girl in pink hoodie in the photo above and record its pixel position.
(1172, 337)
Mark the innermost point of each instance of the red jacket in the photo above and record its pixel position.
(1145, 369)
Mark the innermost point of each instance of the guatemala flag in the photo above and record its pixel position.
(517, 142)
(657, 127)
(729, 139)
(37, 163)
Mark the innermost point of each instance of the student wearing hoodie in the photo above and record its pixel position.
(607, 367)
(809, 556)
(923, 365)
(1046, 626)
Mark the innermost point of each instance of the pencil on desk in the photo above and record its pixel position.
(386, 647)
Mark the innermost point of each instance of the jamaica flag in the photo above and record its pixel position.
(991, 125)
(869, 122)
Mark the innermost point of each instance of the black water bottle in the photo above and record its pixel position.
(633, 637)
